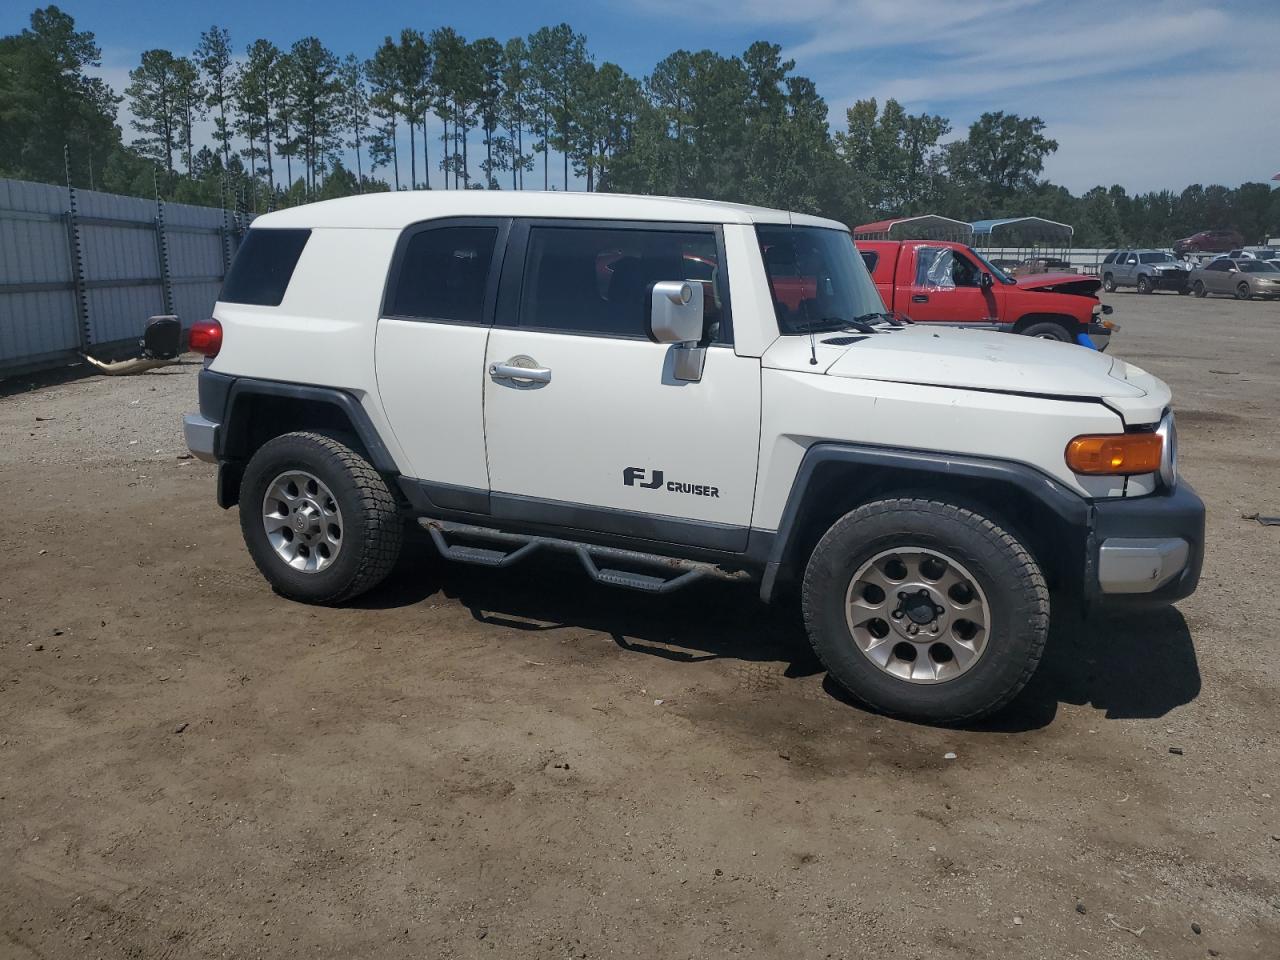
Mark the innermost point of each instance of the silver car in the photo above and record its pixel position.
(1242, 279)
(1145, 270)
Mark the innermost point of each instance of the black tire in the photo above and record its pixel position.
(1109, 283)
(1049, 330)
(1199, 289)
(1007, 573)
(1144, 284)
(1242, 292)
(373, 527)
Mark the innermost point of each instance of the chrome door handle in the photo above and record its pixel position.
(509, 371)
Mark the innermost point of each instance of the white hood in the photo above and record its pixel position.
(981, 360)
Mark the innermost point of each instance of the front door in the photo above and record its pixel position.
(598, 434)
(948, 288)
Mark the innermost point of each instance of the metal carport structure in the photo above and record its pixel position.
(1024, 237)
(926, 227)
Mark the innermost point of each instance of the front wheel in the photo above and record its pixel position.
(1242, 292)
(925, 610)
(318, 520)
(1048, 330)
(1199, 289)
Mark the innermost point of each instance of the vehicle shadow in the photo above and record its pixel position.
(1131, 666)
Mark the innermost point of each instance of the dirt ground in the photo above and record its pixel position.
(522, 764)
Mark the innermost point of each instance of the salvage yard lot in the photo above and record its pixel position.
(468, 763)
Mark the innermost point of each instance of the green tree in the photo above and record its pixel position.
(47, 101)
(1003, 153)
(487, 57)
(383, 72)
(516, 108)
(213, 55)
(314, 96)
(353, 103)
(191, 107)
(413, 91)
(558, 60)
(155, 99)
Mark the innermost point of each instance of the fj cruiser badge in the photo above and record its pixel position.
(636, 477)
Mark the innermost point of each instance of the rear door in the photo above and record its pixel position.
(947, 287)
(600, 435)
(430, 351)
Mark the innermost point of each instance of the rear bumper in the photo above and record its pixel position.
(201, 435)
(1146, 551)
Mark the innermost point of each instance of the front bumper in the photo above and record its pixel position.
(1098, 334)
(1146, 551)
(1170, 280)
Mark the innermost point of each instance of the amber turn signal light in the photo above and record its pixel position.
(1115, 454)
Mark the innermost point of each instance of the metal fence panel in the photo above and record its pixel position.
(138, 258)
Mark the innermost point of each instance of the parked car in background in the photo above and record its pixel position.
(1254, 253)
(1147, 270)
(1042, 265)
(1208, 241)
(1242, 279)
(936, 281)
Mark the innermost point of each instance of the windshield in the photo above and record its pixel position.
(817, 279)
(995, 271)
(1156, 258)
(1257, 266)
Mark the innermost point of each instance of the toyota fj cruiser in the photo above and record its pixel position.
(673, 390)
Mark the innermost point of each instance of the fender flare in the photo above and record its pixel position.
(1068, 506)
(220, 396)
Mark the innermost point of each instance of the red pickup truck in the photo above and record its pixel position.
(934, 281)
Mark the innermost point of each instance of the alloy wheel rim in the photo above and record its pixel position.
(918, 615)
(303, 521)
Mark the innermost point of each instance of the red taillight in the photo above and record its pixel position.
(206, 337)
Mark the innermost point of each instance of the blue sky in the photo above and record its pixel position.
(1149, 94)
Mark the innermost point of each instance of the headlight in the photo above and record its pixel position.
(1168, 432)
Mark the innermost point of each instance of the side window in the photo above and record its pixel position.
(871, 259)
(442, 274)
(1110, 258)
(263, 266)
(595, 280)
(1220, 265)
(933, 267)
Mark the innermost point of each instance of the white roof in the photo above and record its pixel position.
(397, 210)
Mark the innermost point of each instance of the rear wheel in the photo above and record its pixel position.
(1242, 291)
(1198, 288)
(925, 610)
(1048, 330)
(318, 520)
(1144, 284)
(1109, 283)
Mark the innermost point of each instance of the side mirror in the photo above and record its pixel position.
(675, 317)
(988, 281)
(675, 312)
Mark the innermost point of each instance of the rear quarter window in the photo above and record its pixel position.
(263, 266)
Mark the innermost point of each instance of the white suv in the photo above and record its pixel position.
(673, 390)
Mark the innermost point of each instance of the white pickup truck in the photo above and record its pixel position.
(673, 390)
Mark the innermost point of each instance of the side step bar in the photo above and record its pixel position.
(647, 572)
